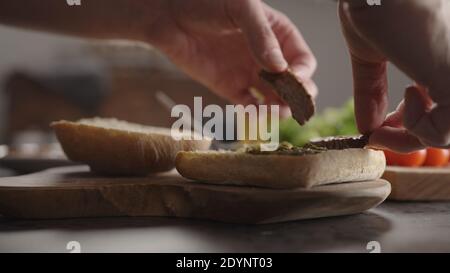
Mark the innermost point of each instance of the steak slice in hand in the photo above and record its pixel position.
(293, 92)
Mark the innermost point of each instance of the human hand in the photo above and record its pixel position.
(413, 35)
(224, 43)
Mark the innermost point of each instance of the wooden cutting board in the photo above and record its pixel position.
(418, 184)
(72, 192)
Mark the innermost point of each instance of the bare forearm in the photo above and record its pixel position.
(104, 19)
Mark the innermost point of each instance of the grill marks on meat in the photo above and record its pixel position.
(292, 91)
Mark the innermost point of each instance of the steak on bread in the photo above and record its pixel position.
(287, 167)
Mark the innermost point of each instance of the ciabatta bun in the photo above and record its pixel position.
(282, 171)
(114, 147)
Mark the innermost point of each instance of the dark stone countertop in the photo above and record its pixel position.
(397, 227)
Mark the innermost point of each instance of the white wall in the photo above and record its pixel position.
(316, 19)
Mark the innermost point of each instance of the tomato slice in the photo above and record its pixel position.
(437, 157)
(414, 159)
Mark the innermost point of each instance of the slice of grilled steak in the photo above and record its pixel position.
(340, 143)
(292, 91)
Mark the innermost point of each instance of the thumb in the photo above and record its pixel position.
(250, 17)
(426, 120)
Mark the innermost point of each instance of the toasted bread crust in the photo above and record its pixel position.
(282, 171)
(115, 151)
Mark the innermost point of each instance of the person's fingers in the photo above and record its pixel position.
(249, 16)
(418, 105)
(431, 124)
(395, 139)
(393, 136)
(264, 94)
(395, 119)
(369, 74)
(415, 124)
(424, 28)
(294, 47)
(310, 87)
(429, 66)
(270, 96)
(243, 97)
(370, 92)
(285, 112)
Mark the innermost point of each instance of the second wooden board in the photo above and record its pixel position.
(75, 192)
(418, 184)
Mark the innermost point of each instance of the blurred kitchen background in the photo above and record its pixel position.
(46, 77)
